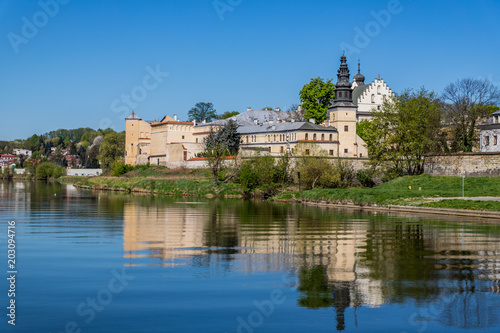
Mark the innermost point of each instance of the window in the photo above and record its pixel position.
(314, 136)
(185, 156)
(373, 98)
(282, 150)
(183, 137)
(346, 151)
(496, 119)
(322, 137)
(307, 152)
(196, 140)
(331, 137)
(360, 154)
(487, 139)
(346, 128)
(247, 139)
(275, 138)
(378, 90)
(378, 107)
(307, 136)
(331, 152)
(269, 149)
(495, 141)
(340, 94)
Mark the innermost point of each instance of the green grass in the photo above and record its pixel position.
(464, 204)
(398, 191)
(163, 181)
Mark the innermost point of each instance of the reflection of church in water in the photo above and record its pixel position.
(341, 253)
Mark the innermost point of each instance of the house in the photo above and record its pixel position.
(490, 134)
(25, 152)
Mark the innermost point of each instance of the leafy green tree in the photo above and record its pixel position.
(45, 170)
(361, 128)
(228, 114)
(315, 97)
(219, 145)
(407, 128)
(57, 157)
(111, 149)
(202, 111)
(467, 101)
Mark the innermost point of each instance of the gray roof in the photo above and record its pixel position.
(133, 116)
(247, 118)
(357, 92)
(496, 113)
(284, 127)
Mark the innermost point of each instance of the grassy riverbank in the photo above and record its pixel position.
(420, 190)
(161, 180)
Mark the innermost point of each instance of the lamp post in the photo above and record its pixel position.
(463, 185)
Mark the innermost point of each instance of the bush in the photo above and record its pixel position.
(45, 170)
(58, 172)
(365, 178)
(119, 168)
(345, 173)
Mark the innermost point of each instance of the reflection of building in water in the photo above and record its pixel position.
(160, 232)
(179, 230)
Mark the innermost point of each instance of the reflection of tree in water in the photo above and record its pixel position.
(468, 310)
(317, 293)
(313, 283)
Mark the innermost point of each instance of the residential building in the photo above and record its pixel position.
(490, 134)
(25, 152)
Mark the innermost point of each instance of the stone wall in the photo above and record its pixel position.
(470, 164)
(83, 172)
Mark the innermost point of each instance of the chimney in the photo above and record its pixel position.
(273, 127)
(204, 121)
(249, 108)
(255, 120)
(293, 120)
(312, 121)
(175, 117)
(194, 122)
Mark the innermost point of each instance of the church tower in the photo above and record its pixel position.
(343, 113)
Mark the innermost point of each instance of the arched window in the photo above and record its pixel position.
(331, 137)
(378, 90)
(314, 136)
(322, 137)
(373, 98)
(275, 138)
(307, 136)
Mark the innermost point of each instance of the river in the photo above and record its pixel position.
(110, 262)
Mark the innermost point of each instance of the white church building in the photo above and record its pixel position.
(368, 97)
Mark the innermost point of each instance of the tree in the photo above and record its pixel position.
(111, 149)
(219, 145)
(93, 153)
(315, 169)
(407, 128)
(315, 97)
(298, 112)
(228, 114)
(467, 101)
(202, 111)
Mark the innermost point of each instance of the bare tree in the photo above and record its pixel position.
(298, 112)
(467, 101)
(219, 145)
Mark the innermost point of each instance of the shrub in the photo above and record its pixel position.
(45, 170)
(365, 178)
(119, 168)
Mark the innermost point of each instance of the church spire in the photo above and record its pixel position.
(343, 90)
(359, 78)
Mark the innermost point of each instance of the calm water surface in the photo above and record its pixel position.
(104, 262)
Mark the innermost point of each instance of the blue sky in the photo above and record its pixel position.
(73, 69)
